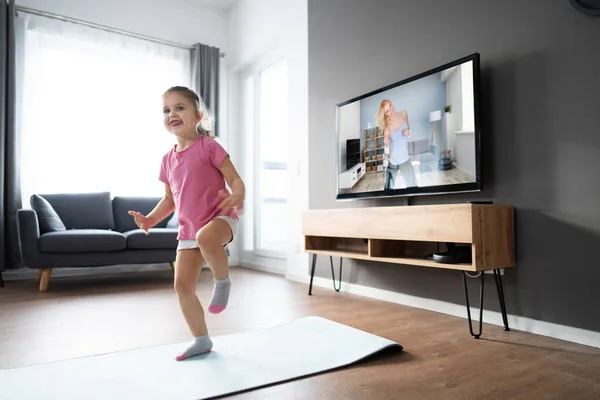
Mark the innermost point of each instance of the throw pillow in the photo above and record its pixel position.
(48, 219)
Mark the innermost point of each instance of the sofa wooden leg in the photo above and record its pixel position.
(44, 278)
(39, 275)
(172, 264)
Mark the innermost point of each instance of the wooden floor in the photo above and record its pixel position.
(370, 182)
(436, 177)
(375, 181)
(90, 315)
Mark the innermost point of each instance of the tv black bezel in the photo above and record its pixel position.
(470, 187)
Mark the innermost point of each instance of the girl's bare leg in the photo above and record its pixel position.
(187, 269)
(211, 240)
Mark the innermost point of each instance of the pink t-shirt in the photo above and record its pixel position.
(195, 179)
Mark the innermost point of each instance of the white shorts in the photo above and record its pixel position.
(192, 244)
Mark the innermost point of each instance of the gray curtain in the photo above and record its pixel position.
(205, 78)
(10, 196)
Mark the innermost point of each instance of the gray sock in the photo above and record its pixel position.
(220, 296)
(200, 345)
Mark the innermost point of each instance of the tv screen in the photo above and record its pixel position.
(418, 136)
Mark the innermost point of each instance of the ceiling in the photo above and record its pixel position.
(225, 5)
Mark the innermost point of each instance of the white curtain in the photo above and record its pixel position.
(92, 109)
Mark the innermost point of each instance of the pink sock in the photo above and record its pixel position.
(220, 296)
(200, 345)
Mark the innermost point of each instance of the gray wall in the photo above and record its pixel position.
(541, 96)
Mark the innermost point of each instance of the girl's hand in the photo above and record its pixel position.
(234, 201)
(143, 222)
(406, 132)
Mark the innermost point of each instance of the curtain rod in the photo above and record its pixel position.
(105, 28)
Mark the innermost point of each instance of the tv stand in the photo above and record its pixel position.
(348, 179)
(477, 237)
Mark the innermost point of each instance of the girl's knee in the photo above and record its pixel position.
(206, 240)
(183, 288)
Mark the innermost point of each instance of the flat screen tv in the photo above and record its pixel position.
(418, 136)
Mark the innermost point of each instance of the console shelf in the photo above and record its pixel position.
(390, 251)
(411, 234)
(406, 235)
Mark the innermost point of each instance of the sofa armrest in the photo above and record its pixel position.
(29, 233)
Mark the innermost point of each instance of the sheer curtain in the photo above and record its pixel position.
(92, 109)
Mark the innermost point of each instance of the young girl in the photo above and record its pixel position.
(194, 172)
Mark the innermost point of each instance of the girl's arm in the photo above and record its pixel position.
(235, 182)
(163, 209)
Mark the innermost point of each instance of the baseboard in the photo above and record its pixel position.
(518, 323)
(263, 268)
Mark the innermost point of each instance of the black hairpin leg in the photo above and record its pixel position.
(499, 287)
(475, 335)
(1, 280)
(312, 274)
(337, 289)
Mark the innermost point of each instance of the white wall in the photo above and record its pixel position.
(260, 27)
(261, 32)
(349, 129)
(465, 139)
(459, 123)
(464, 152)
(453, 120)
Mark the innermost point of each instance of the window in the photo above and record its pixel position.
(273, 187)
(468, 104)
(264, 122)
(92, 111)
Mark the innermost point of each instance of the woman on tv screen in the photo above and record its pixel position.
(396, 131)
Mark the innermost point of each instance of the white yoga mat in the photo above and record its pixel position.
(238, 362)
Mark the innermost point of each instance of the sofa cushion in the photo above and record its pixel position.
(419, 147)
(48, 219)
(173, 223)
(157, 238)
(83, 210)
(81, 240)
(123, 204)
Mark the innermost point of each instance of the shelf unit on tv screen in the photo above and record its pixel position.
(373, 150)
(410, 234)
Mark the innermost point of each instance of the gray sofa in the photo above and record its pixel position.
(91, 230)
(424, 152)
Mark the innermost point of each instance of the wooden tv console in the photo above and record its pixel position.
(411, 234)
